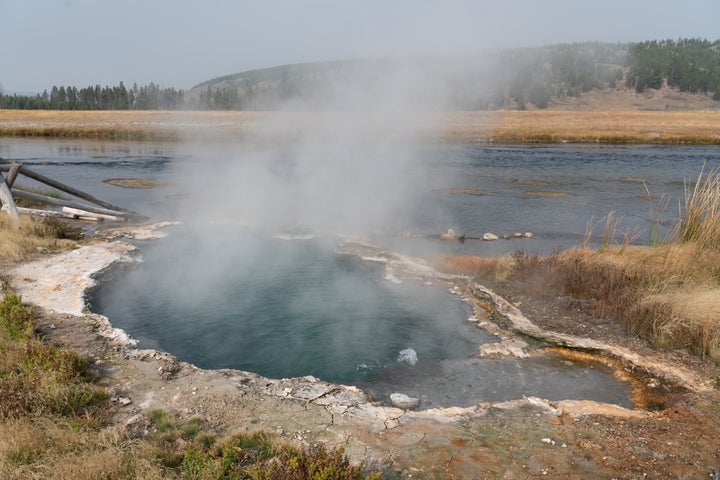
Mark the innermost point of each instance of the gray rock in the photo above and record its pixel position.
(400, 400)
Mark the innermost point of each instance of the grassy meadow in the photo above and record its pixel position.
(697, 127)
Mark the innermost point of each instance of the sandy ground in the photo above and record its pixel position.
(526, 438)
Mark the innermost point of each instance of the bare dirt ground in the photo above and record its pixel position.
(526, 438)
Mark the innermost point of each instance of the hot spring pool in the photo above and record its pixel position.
(245, 299)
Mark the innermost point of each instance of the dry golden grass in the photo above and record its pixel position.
(53, 448)
(497, 268)
(542, 126)
(669, 294)
(123, 124)
(24, 240)
(701, 219)
(506, 127)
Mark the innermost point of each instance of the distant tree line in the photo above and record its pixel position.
(511, 79)
(147, 97)
(691, 65)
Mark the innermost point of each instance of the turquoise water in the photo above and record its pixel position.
(245, 300)
(282, 308)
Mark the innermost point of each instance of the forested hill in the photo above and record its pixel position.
(538, 77)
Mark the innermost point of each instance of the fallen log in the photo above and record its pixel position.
(15, 168)
(66, 203)
(70, 190)
(40, 213)
(86, 215)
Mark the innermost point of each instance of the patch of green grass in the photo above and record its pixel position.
(36, 378)
(16, 320)
(194, 454)
(487, 435)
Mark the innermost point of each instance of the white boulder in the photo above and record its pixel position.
(400, 400)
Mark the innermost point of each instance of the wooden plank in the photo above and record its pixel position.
(80, 213)
(51, 213)
(6, 198)
(40, 213)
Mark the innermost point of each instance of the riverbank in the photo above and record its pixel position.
(696, 127)
(513, 439)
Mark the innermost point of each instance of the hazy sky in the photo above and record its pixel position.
(180, 43)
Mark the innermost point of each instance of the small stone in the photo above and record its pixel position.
(489, 237)
(52, 326)
(400, 400)
(450, 235)
(528, 235)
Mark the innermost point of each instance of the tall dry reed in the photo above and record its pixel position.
(700, 219)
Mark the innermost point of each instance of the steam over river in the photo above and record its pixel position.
(224, 295)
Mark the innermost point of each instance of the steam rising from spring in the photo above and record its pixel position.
(340, 160)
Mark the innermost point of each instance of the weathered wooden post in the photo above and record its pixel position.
(6, 198)
(106, 210)
(12, 174)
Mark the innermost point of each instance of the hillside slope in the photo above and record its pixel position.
(670, 75)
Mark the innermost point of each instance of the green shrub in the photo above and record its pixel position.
(16, 320)
(37, 378)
